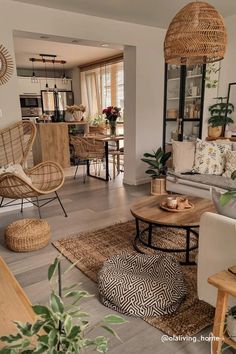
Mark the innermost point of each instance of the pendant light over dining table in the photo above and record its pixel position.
(196, 35)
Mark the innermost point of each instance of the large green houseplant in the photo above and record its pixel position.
(219, 116)
(62, 327)
(157, 161)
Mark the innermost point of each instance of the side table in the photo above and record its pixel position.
(225, 282)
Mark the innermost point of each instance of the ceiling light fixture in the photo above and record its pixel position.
(196, 35)
(64, 78)
(44, 37)
(34, 79)
(55, 85)
(46, 74)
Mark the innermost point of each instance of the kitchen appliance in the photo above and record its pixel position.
(56, 101)
(31, 105)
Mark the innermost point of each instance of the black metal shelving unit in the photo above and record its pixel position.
(184, 89)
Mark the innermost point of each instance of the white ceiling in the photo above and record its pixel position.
(156, 13)
(73, 54)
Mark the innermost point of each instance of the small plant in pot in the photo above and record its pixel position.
(219, 117)
(157, 161)
(225, 203)
(231, 323)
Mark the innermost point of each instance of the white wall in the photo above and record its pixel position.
(144, 106)
(228, 68)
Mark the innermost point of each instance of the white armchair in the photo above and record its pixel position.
(217, 251)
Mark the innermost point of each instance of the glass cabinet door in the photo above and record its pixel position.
(183, 106)
(193, 102)
(173, 77)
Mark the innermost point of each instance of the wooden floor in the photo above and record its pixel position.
(91, 205)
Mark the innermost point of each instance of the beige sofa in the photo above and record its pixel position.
(197, 184)
(217, 243)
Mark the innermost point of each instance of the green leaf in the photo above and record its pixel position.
(53, 338)
(41, 310)
(233, 175)
(148, 155)
(24, 328)
(37, 326)
(74, 332)
(114, 319)
(226, 197)
(68, 324)
(78, 314)
(11, 338)
(71, 287)
(6, 351)
(150, 172)
(56, 303)
(52, 268)
(111, 330)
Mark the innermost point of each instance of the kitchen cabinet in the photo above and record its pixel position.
(25, 86)
(183, 102)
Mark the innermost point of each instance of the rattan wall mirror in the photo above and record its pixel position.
(6, 65)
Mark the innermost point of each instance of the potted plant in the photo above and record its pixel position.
(157, 169)
(62, 326)
(219, 117)
(231, 323)
(225, 203)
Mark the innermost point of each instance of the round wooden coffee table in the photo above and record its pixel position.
(148, 211)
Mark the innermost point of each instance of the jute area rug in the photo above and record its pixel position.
(91, 249)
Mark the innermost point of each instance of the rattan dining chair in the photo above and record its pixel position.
(46, 178)
(87, 150)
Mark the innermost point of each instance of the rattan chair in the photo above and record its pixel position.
(46, 177)
(87, 150)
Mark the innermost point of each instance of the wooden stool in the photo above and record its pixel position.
(225, 282)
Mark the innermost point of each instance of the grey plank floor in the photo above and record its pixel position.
(91, 205)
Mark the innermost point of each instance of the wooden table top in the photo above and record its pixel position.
(224, 281)
(148, 209)
(106, 138)
(14, 304)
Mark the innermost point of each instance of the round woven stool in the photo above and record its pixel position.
(27, 235)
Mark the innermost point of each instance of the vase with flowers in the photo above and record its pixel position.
(112, 113)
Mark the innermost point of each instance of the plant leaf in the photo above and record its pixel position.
(111, 330)
(11, 338)
(41, 310)
(114, 319)
(52, 268)
(233, 175)
(56, 303)
(226, 197)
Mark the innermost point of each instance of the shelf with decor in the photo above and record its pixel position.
(183, 102)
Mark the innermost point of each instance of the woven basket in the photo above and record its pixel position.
(196, 35)
(27, 235)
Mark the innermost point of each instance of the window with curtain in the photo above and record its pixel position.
(103, 86)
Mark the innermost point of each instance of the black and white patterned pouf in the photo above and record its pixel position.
(142, 285)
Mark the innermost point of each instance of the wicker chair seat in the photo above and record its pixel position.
(46, 178)
(27, 235)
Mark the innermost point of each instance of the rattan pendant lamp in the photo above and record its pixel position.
(196, 35)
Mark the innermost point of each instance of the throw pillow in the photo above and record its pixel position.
(230, 165)
(16, 169)
(183, 155)
(210, 157)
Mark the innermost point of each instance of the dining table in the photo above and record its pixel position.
(106, 140)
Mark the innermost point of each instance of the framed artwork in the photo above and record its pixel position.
(6, 65)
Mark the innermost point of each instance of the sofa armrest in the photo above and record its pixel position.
(217, 245)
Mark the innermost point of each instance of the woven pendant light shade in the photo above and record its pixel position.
(196, 35)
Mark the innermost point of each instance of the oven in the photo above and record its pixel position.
(31, 105)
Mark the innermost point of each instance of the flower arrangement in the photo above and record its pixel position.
(112, 113)
(76, 111)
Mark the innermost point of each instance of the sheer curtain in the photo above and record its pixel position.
(101, 87)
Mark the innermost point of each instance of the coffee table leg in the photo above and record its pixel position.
(137, 229)
(187, 262)
(150, 234)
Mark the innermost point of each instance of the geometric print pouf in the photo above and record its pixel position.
(142, 285)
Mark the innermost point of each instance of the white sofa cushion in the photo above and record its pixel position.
(16, 169)
(183, 155)
(230, 165)
(210, 157)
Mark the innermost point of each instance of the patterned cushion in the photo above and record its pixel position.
(142, 285)
(230, 165)
(210, 157)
